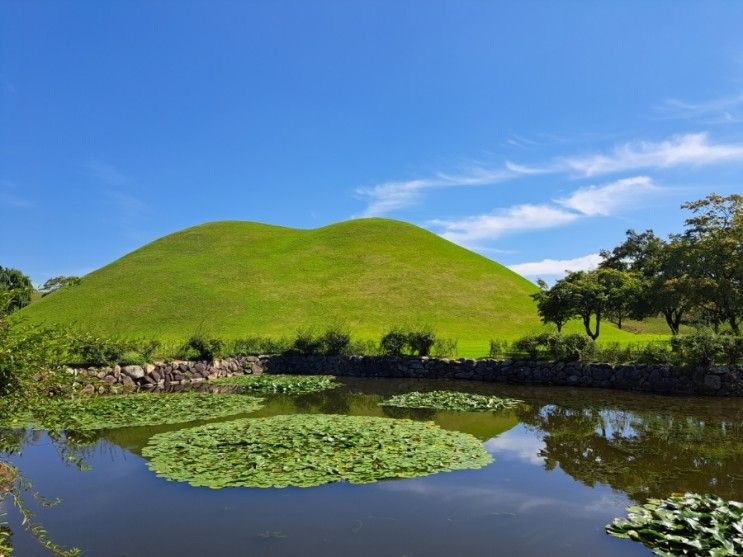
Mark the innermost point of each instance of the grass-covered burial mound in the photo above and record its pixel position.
(309, 450)
(287, 384)
(451, 400)
(107, 412)
(687, 524)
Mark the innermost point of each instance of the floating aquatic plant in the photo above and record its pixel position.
(288, 384)
(309, 450)
(106, 412)
(451, 400)
(685, 524)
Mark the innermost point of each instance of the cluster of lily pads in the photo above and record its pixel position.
(107, 412)
(309, 450)
(451, 400)
(685, 524)
(286, 384)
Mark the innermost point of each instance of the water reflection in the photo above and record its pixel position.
(577, 453)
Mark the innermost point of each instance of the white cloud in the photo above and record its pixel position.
(721, 110)
(608, 198)
(516, 218)
(390, 196)
(692, 149)
(554, 267)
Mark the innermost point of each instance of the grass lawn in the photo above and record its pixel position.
(239, 279)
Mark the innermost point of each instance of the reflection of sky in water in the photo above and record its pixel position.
(519, 443)
(546, 493)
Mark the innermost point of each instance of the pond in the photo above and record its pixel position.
(565, 464)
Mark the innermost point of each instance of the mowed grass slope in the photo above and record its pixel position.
(238, 279)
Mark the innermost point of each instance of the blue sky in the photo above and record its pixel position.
(528, 131)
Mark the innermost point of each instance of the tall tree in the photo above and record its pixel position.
(595, 295)
(664, 271)
(555, 305)
(17, 287)
(714, 236)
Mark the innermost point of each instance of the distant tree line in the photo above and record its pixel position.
(694, 277)
(18, 291)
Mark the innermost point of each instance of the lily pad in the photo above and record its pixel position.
(451, 400)
(288, 384)
(107, 412)
(309, 450)
(685, 524)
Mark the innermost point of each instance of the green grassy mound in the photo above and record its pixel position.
(239, 279)
(306, 450)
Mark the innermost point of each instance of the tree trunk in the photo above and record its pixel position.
(673, 319)
(733, 320)
(587, 325)
(559, 327)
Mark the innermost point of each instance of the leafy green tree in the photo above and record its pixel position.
(18, 287)
(596, 295)
(55, 283)
(663, 270)
(554, 304)
(714, 238)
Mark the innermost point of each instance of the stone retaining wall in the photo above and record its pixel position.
(722, 381)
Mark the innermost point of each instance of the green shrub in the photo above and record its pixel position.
(701, 348)
(530, 345)
(570, 347)
(307, 343)
(364, 348)
(394, 342)
(148, 349)
(335, 341)
(132, 358)
(91, 350)
(445, 348)
(732, 348)
(498, 349)
(254, 346)
(200, 347)
(653, 353)
(421, 341)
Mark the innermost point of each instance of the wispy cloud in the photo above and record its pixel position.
(9, 197)
(606, 199)
(692, 149)
(720, 110)
(494, 225)
(591, 201)
(688, 150)
(390, 196)
(554, 267)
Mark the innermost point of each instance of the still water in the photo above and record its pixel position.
(565, 465)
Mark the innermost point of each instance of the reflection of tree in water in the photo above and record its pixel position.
(326, 402)
(17, 490)
(643, 453)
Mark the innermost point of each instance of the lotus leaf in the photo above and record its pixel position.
(685, 524)
(451, 400)
(288, 384)
(107, 412)
(309, 450)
